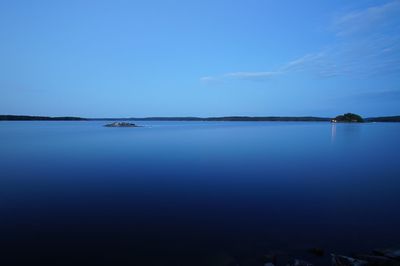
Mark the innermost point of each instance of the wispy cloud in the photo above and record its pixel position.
(207, 79)
(295, 65)
(367, 43)
(242, 75)
(302, 62)
(306, 62)
(368, 40)
(252, 75)
(363, 20)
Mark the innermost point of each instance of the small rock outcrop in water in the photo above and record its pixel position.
(384, 258)
(375, 260)
(121, 124)
(297, 262)
(339, 260)
(348, 118)
(393, 253)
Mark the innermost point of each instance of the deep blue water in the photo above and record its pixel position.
(77, 193)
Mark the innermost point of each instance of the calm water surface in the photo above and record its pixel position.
(77, 193)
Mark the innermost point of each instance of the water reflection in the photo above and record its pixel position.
(347, 132)
(333, 132)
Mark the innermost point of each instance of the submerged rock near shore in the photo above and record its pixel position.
(393, 253)
(121, 124)
(379, 257)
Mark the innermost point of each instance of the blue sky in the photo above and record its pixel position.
(199, 58)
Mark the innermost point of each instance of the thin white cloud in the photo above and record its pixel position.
(242, 75)
(367, 43)
(362, 20)
(300, 63)
(207, 79)
(252, 75)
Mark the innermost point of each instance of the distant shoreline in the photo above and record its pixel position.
(39, 118)
(200, 119)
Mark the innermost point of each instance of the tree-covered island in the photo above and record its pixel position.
(348, 118)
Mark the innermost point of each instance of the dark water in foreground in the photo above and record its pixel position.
(192, 193)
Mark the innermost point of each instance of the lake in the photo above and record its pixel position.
(195, 193)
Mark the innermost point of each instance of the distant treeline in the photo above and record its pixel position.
(38, 118)
(224, 118)
(235, 118)
(383, 119)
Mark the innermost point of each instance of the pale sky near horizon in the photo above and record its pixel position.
(121, 58)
